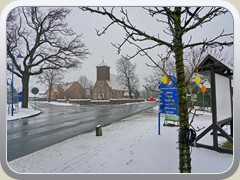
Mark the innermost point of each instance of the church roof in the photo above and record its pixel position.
(113, 83)
(102, 64)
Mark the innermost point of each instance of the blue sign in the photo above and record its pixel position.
(20, 97)
(168, 97)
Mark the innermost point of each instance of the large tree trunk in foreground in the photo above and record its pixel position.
(25, 91)
(184, 150)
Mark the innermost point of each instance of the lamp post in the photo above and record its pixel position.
(12, 89)
(12, 82)
(9, 82)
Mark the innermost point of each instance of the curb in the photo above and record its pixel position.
(26, 116)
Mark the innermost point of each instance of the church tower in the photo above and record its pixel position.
(103, 72)
(106, 86)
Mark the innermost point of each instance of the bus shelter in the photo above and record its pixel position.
(222, 103)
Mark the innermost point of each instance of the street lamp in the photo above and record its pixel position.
(12, 85)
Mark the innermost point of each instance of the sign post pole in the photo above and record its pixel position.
(159, 123)
(159, 110)
(35, 91)
(35, 101)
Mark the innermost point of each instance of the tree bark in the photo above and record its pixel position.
(184, 151)
(25, 90)
(50, 93)
(129, 88)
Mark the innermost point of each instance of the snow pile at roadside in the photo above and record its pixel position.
(21, 113)
(58, 103)
(129, 146)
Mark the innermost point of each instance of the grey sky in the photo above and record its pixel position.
(101, 48)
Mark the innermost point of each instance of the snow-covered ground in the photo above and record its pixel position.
(58, 103)
(20, 113)
(130, 146)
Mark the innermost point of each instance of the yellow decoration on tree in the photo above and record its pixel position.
(197, 80)
(164, 80)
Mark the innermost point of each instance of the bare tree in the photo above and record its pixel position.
(151, 82)
(89, 91)
(127, 77)
(49, 78)
(178, 21)
(192, 58)
(47, 40)
(85, 83)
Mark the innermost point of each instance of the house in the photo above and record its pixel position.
(106, 86)
(55, 92)
(72, 90)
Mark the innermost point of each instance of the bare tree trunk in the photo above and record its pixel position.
(25, 91)
(130, 93)
(129, 88)
(184, 153)
(50, 93)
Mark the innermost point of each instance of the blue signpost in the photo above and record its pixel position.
(20, 95)
(168, 99)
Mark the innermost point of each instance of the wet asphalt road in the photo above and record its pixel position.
(58, 123)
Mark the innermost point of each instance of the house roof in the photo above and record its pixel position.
(55, 86)
(65, 86)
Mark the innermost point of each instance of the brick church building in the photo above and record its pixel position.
(106, 86)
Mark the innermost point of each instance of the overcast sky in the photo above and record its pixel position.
(101, 48)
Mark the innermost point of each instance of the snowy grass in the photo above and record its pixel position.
(227, 145)
(129, 146)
